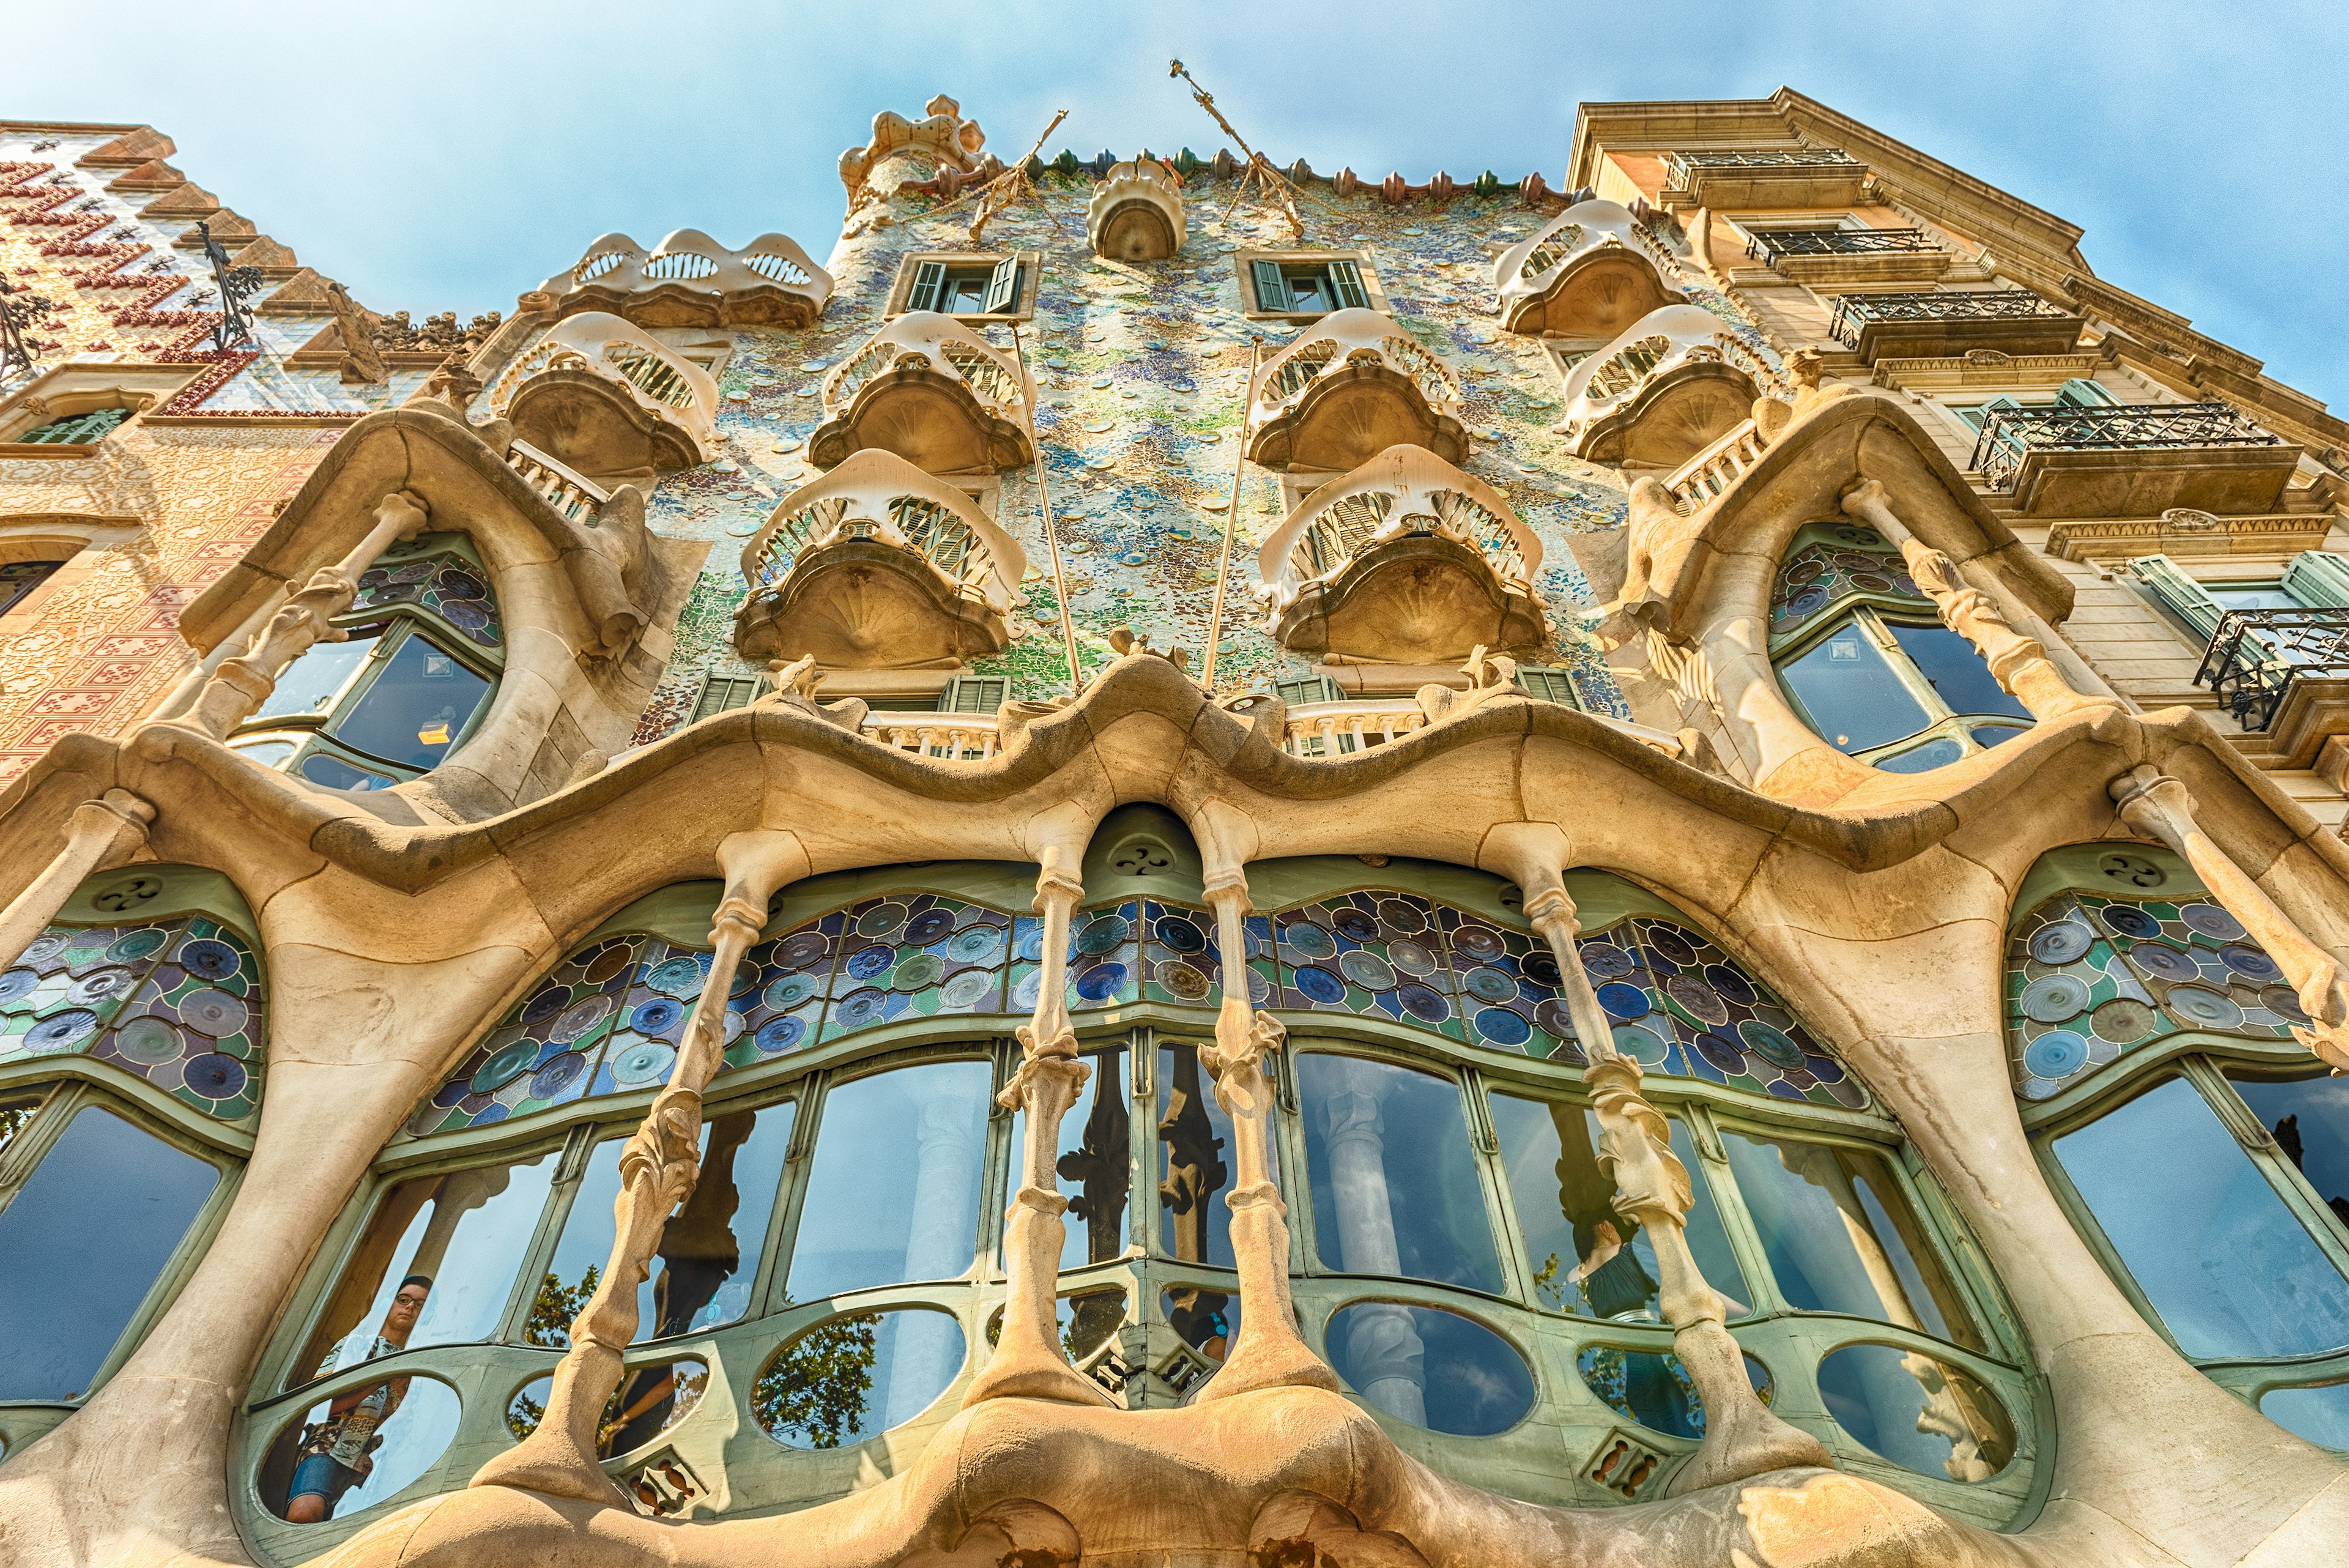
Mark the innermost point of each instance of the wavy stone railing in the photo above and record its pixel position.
(692, 280)
(1365, 364)
(1527, 275)
(1681, 364)
(573, 496)
(1136, 214)
(1716, 468)
(675, 400)
(965, 405)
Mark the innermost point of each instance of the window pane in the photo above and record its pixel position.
(2251, 597)
(709, 1247)
(1195, 1170)
(2320, 1415)
(311, 681)
(1955, 669)
(412, 712)
(893, 1190)
(1854, 699)
(83, 1239)
(1841, 1237)
(1436, 1369)
(1092, 1166)
(2310, 1119)
(2206, 1238)
(854, 1378)
(319, 767)
(1917, 1411)
(1574, 1239)
(465, 1231)
(1308, 290)
(1394, 1184)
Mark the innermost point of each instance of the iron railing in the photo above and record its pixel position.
(2008, 435)
(1771, 246)
(1681, 165)
(2255, 657)
(1855, 312)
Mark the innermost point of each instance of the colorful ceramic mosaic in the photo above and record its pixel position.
(2090, 978)
(444, 583)
(176, 1003)
(1827, 571)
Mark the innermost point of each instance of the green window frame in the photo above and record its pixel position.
(1279, 282)
(720, 691)
(939, 283)
(76, 429)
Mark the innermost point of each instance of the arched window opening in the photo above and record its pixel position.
(18, 580)
(419, 665)
(1865, 659)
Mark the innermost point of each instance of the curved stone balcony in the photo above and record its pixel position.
(877, 566)
(930, 390)
(1352, 386)
(1405, 560)
(1590, 271)
(606, 400)
(1136, 214)
(692, 280)
(1663, 391)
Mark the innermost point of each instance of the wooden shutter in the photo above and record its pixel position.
(1271, 288)
(1550, 683)
(1003, 287)
(1346, 283)
(2182, 593)
(2319, 580)
(1305, 689)
(720, 692)
(2079, 394)
(928, 278)
(974, 694)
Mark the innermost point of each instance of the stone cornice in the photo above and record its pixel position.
(2189, 534)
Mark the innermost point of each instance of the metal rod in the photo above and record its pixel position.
(1231, 519)
(1044, 501)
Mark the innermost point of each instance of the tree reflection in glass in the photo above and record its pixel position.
(855, 1376)
(1587, 1258)
(648, 1401)
(2228, 1268)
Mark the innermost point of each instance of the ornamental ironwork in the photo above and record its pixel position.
(1855, 312)
(1772, 245)
(237, 285)
(1683, 165)
(2009, 434)
(2256, 657)
(19, 311)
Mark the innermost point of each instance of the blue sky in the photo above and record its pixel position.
(438, 155)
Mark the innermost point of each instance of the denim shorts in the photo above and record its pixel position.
(322, 1475)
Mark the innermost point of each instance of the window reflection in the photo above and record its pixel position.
(856, 1376)
(105, 1210)
(2320, 1415)
(413, 712)
(1395, 1182)
(1093, 1160)
(2207, 1239)
(1208, 1321)
(2310, 1119)
(649, 1401)
(1850, 692)
(893, 1189)
(1654, 1388)
(1194, 1169)
(310, 682)
(1840, 1236)
(709, 1250)
(466, 1232)
(1956, 671)
(393, 1433)
(1435, 1369)
(1587, 1258)
(1917, 1411)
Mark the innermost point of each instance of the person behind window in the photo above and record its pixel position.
(336, 1451)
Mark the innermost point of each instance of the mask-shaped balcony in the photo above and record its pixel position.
(1352, 386)
(607, 401)
(877, 566)
(1406, 560)
(1136, 214)
(928, 390)
(1666, 389)
(1590, 271)
(692, 280)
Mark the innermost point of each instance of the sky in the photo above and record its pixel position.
(442, 155)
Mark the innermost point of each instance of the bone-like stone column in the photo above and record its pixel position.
(947, 1163)
(1742, 1438)
(240, 686)
(657, 1171)
(2018, 664)
(2159, 807)
(1029, 1361)
(1270, 1353)
(1389, 1359)
(101, 834)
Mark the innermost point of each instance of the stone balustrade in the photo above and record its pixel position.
(1351, 385)
(603, 398)
(1715, 468)
(1668, 387)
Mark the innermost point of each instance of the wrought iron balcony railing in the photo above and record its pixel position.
(1772, 245)
(2256, 656)
(1681, 167)
(2010, 435)
(1855, 312)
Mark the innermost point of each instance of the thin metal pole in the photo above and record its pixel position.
(1044, 500)
(1231, 518)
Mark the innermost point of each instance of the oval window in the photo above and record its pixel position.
(1434, 1368)
(856, 1376)
(2320, 1415)
(358, 1448)
(1653, 1388)
(649, 1400)
(1917, 1411)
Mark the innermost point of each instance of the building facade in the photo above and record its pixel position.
(617, 915)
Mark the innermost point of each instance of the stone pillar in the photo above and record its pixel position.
(946, 1166)
(2158, 806)
(1028, 1360)
(2018, 664)
(1270, 1351)
(659, 1169)
(240, 686)
(101, 834)
(1389, 1360)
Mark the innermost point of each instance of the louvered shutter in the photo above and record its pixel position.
(1346, 282)
(720, 692)
(1550, 683)
(1003, 287)
(2182, 593)
(928, 278)
(1305, 689)
(2079, 394)
(2319, 580)
(974, 694)
(1271, 288)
